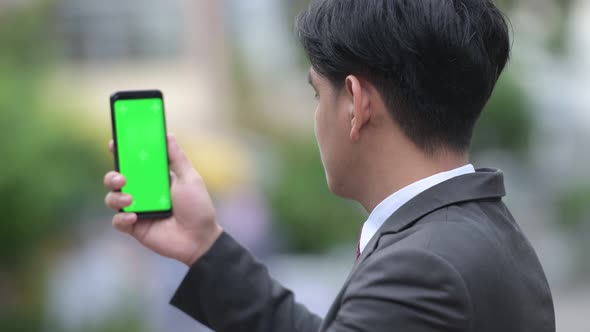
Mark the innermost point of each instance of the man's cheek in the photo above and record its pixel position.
(316, 124)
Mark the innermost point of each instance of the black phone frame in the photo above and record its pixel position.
(139, 94)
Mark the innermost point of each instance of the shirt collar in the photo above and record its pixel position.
(389, 205)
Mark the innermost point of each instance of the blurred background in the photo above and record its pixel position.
(235, 85)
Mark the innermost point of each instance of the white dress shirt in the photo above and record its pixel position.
(389, 205)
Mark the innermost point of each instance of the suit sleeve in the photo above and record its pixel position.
(407, 291)
(228, 290)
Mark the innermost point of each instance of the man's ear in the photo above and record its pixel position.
(360, 105)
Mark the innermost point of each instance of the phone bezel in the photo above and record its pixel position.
(139, 94)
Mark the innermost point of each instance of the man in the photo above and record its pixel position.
(400, 85)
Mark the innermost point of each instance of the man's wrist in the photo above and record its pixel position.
(204, 245)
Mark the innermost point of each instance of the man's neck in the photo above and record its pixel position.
(389, 176)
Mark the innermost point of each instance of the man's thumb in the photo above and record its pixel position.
(179, 163)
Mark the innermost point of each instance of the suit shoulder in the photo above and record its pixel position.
(457, 229)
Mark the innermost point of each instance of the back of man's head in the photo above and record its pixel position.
(434, 62)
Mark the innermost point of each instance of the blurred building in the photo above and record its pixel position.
(176, 46)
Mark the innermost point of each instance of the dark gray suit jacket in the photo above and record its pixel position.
(451, 259)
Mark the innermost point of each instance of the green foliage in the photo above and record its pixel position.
(573, 217)
(506, 123)
(557, 42)
(19, 322)
(573, 207)
(48, 171)
(312, 218)
(23, 36)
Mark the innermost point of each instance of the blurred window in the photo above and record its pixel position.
(114, 29)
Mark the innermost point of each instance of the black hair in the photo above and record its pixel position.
(434, 62)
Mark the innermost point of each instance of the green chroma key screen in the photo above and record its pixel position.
(141, 152)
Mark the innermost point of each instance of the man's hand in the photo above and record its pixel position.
(190, 232)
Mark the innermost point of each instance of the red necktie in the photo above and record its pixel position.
(358, 245)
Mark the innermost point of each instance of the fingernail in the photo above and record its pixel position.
(124, 199)
(117, 179)
(128, 217)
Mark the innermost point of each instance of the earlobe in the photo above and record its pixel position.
(354, 134)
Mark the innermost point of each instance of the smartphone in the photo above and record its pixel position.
(141, 151)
